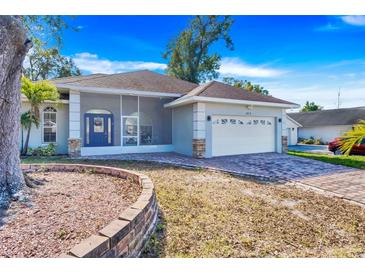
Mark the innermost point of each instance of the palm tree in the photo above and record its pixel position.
(36, 93)
(25, 124)
(352, 137)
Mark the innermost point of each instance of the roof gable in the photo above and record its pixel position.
(220, 90)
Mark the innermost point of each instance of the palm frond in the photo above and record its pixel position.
(352, 137)
(26, 120)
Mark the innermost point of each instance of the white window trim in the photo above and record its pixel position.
(130, 136)
(42, 125)
(122, 136)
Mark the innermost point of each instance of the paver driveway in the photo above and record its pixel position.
(270, 167)
(346, 182)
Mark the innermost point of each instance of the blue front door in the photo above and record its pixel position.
(98, 130)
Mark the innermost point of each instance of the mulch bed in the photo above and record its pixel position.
(66, 209)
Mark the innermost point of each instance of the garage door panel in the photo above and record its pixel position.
(233, 135)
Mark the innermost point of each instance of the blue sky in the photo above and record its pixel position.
(297, 58)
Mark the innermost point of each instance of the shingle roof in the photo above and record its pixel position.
(143, 80)
(72, 79)
(220, 90)
(330, 117)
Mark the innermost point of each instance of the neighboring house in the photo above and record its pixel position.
(327, 124)
(145, 111)
(292, 128)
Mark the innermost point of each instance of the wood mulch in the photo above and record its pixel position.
(66, 209)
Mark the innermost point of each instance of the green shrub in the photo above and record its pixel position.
(48, 150)
(310, 141)
(318, 142)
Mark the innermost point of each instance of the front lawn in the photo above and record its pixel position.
(351, 161)
(212, 214)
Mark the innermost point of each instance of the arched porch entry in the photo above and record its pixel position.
(99, 128)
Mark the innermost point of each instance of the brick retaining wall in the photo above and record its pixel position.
(125, 236)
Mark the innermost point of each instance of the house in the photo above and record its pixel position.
(327, 124)
(144, 111)
(292, 130)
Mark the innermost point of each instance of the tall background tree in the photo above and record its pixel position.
(188, 54)
(311, 106)
(246, 85)
(36, 93)
(47, 63)
(16, 34)
(44, 61)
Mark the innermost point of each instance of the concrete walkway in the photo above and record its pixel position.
(347, 185)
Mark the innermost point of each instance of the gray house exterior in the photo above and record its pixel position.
(327, 124)
(143, 111)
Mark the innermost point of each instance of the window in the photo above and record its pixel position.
(87, 130)
(49, 125)
(98, 111)
(130, 133)
(98, 124)
(109, 130)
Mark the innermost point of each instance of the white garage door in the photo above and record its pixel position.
(241, 135)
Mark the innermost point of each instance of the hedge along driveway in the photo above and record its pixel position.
(211, 214)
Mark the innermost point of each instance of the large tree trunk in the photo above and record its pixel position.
(13, 48)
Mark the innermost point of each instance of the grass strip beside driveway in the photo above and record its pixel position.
(350, 161)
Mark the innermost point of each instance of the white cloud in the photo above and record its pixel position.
(92, 63)
(355, 20)
(328, 27)
(237, 68)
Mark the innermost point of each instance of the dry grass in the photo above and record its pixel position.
(211, 214)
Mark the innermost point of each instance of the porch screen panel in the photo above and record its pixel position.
(129, 105)
(155, 121)
(130, 120)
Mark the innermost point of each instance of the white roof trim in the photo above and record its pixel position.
(193, 99)
(119, 91)
(293, 121)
